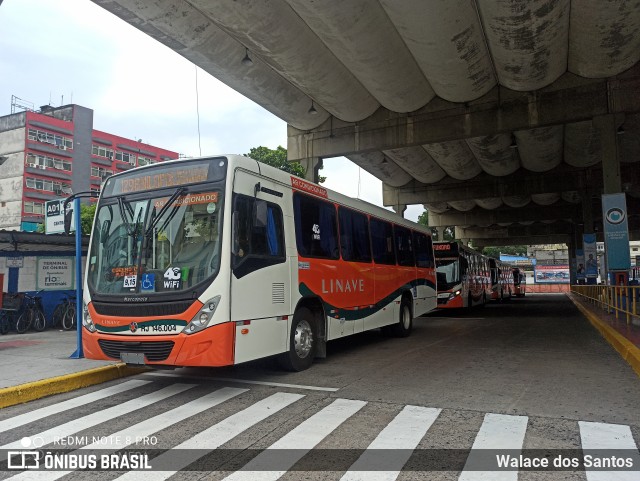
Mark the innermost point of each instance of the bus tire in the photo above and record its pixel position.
(404, 326)
(302, 342)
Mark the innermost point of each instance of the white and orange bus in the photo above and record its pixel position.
(463, 275)
(217, 261)
(501, 280)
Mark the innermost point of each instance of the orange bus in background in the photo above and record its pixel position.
(519, 282)
(501, 280)
(463, 276)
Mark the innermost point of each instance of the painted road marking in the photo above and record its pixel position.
(298, 442)
(245, 381)
(143, 429)
(213, 437)
(401, 435)
(601, 436)
(105, 415)
(36, 414)
(498, 431)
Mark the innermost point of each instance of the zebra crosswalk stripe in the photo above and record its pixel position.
(41, 413)
(299, 441)
(93, 419)
(601, 436)
(402, 435)
(145, 428)
(213, 437)
(498, 431)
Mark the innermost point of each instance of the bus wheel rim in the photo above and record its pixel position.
(303, 339)
(406, 318)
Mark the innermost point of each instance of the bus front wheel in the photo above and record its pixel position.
(302, 342)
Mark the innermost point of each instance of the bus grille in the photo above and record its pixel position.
(143, 309)
(153, 350)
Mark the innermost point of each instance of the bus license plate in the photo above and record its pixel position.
(132, 357)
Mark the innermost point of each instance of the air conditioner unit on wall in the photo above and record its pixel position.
(62, 147)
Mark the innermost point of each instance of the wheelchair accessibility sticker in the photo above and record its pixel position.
(148, 282)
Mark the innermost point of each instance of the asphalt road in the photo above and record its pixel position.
(528, 374)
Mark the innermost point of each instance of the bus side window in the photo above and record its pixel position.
(382, 242)
(256, 244)
(404, 247)
(316, 227)
(354, 236)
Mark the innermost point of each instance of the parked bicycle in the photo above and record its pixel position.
(8, 313)
(64, 315)
(32, 314)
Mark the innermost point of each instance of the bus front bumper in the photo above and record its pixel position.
(212, 347)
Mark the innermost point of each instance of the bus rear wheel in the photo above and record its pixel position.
(404, 326)
(302, 342)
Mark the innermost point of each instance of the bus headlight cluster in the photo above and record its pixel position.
(203, 317)
(453, 295)
(87, 322)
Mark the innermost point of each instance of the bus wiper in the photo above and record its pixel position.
(178, 193)
(123, 213)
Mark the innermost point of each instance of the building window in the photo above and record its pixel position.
(100, 172)
(58, 141)
(102, 152)
(125, 157)
(36, 208)
(48, 185)
(45, 162)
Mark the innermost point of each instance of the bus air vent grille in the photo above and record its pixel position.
(142, 310)
(153, 350)
(277, 293)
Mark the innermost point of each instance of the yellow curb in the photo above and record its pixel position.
(38, 389)
(628, 351)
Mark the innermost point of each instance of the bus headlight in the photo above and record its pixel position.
(203, 317)
(453, 295)
(87, 322)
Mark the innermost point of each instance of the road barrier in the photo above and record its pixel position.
(621, 300)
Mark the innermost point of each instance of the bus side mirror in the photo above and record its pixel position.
(260, 214)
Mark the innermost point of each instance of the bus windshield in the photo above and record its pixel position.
(156, 242)
(448, 273)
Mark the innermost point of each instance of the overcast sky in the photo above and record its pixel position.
(72, 51)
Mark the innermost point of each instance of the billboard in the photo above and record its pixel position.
(590, 257)
(551, 274)
(580, 269)
(54, 216)
(616, 232)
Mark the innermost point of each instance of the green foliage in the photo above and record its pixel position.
(448, 233)
(87, 213)
(278, 159)
(510, 250)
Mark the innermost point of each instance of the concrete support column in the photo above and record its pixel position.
(606, 126)
(399, 209)
(311, 166)
(587, 212)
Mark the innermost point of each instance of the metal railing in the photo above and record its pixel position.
(621, 300)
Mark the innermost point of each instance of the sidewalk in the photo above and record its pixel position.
(623, 337)
(37, 364)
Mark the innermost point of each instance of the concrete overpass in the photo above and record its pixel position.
(507, 119)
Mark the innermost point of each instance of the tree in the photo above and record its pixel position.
(448, 233)
(278, 159)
